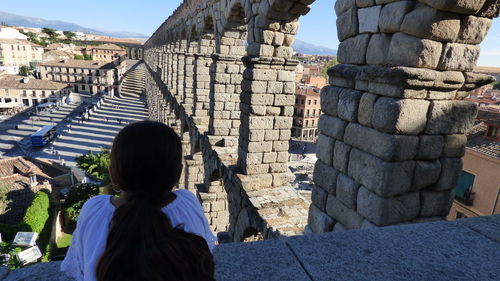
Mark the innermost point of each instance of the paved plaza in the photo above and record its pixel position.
(75, 136)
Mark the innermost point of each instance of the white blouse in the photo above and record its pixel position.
(89, 238)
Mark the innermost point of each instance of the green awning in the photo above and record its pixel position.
(465, 183)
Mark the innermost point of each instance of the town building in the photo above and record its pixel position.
(11, 33)
(85, 76)
(24, 177)
(478, 190)
(71, 49)
(306, 113)
(106, 52)
(55, 55)
(315, 81)
(19, 91)
(15, 53)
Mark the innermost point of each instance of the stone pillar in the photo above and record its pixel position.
(215, 205)
(391, 138)
(181, 57)
(169, 66)
(189, 68)
(266, 106)
(227, 73)
(194, 171)
(201, 89)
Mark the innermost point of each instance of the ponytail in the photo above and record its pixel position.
(143, 245)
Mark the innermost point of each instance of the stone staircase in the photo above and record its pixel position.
(134, 82)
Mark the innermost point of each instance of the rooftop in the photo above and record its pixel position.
(8, 81)
(111, 47)
(80, 64)
(466, 249)
(476, 139)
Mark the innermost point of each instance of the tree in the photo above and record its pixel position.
(87, 57)
(49, 31)
(328, 65)
(78, 57)
(496, 86)
(69, 35)
(24, 70)
(96, 164)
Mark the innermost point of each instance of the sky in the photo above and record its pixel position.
(145, 16)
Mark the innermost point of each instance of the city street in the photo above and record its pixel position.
(74, 137)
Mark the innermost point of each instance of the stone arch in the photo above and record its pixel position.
(226, 74)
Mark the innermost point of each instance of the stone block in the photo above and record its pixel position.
(339, 212)
(368, 19)
(392, 15)
(280, 146)
(385, 146)
(348, 105)
(473, 30)
(451, 117)
(341, 153)
(454, 145)
(269, 157)
(435, 204)
(450, 172)
(331, 126)
(343, 5)
(344, 75)
(260, 122)
(426, 174)
(491, 9)
(347, 24)
(324, 149)
(318, 198)
(386, 211)
(325, 176)
(338, 227)
(256, 169)
(456, 6)
(384, 178)
(318, 221)
(400, 116)
(272, 135)
(365, 3)
(365, 112)
(406, 50)
(378, 48)
(260, 74)
(278, 167)
(283, 179)
(261, 146)
(283, 122)
(461, 57)
(426, 22)
(353, 50)
(347, 191)
(329, 99)
(431, 147)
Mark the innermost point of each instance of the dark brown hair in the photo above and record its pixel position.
(142, 244)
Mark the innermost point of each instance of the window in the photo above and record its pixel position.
(315, 102)
(464, 184)
(43, 93)
(302, 101)
(309, 102)
(459, 215)
(8, 100)
(493, 132)
(33, 93)
(7, 92)
(307, 123)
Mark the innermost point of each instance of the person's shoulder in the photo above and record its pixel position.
(95, 203)
(185, 194)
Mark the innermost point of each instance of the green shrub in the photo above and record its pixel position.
(77, 196)
(37, 213)
(96, 164)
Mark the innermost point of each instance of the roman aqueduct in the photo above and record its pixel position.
(393, 126)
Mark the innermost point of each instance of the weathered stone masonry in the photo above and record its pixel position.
(393, 123)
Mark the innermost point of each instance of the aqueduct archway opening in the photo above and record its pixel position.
(393, 123)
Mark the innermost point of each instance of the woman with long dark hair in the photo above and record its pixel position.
(149, 232)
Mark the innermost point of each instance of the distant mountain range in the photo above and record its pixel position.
(17, 20)
(311, 49)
